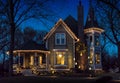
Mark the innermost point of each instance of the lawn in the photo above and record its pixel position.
(104, 78)
(32, 79)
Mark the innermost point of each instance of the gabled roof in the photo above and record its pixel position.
(61, 22)
(72, 23)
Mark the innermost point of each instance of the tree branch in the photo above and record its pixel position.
(109, 38)
(111, 5)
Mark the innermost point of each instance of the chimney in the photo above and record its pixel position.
(80, 22)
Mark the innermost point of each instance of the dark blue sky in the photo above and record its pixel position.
(62, 8)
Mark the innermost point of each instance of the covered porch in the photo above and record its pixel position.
(31, 54)
(28, 59)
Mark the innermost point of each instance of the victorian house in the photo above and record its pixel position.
(63, 49)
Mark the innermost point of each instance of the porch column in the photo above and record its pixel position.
(54, 60)
(24, 61)
(46, 62)
(19, 59)
(35, 58)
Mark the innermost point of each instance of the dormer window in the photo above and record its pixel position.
(60, 39)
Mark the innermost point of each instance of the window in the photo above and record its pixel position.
(40, 60)
(97, 58)
(60, 58)
(97, 43)
(91, 40)
(60, 39)
(31, 60)
(91, 56)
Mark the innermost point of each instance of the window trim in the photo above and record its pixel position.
(60, 39)
(63, 53)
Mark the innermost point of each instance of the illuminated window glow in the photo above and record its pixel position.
(31, 60)
(40, 60)
(60, 58)
(97, 58)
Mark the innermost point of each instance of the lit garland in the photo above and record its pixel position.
(93, 29)
(66, 28)
(81, 48)
(25, 51)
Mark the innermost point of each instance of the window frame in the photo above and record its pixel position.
(60, 38)
(58, 59)
(97, 40)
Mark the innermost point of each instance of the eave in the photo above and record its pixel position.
(66, 28)
(93, 29)
(29, 51)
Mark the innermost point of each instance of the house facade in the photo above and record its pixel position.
(70, 44)
(61, 43)
(64, 39)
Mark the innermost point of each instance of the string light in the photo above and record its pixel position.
(25, 51)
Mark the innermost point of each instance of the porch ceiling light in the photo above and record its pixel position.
(60, 55)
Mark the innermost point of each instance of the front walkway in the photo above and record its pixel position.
(27, 72)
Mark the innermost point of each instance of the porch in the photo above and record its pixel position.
(36, 57)
(28, 59)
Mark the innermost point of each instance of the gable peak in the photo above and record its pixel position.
(60, 19)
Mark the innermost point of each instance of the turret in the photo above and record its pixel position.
(93, 34)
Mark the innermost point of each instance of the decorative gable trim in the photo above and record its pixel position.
(65, 27)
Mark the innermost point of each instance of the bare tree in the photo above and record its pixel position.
(40, 36)
(112, 4)
(109, 18)
(18, 11)
(28, 34)
(18, 38)
(4, 32)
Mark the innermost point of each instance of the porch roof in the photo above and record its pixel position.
(31, 47)
(30, 51)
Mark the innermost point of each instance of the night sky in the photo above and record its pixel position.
(63, 8)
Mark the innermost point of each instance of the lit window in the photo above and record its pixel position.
(40, 60)
(91, 56)
(60, 39)
(97, 58)
(31, 60)
(60, 58)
